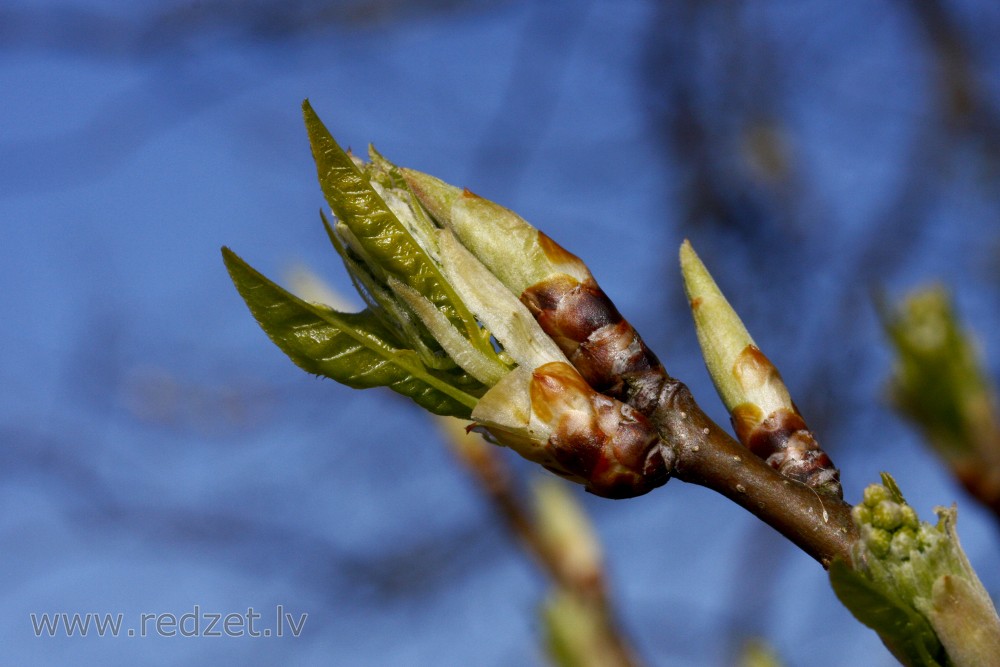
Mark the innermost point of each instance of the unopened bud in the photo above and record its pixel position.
(762, 412)
(940, 384)
(550, 415)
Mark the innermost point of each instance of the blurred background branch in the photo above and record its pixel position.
(580, 624)
(939, 383)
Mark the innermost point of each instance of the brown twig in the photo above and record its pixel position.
(610, 354)
(665, 433)
(706, 455)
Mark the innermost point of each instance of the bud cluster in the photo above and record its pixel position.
(898, 548)
(474, 313)
(441, 272)
(919, 566)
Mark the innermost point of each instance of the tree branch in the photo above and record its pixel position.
(704, 454)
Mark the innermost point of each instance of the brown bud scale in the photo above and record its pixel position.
(788, 446)
(597, 441)
(603, 346)
(753, 369)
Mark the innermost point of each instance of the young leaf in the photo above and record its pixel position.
(508, 319)
(384, 305)
(514, 251)
(890, 484)
(384, 238)
(903, 630)
(487, 370)
(354, 349)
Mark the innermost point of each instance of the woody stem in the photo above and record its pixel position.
(704, 454)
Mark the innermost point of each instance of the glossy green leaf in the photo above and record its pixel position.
(354, 349)
(384, 238)
(902, 628)
(394, 315)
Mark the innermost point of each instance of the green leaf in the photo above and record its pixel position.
(889, 483)
(394, 315)
(384, 238)
(354, 349)
(904, 631)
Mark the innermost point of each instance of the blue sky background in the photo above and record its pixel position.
(159, 453)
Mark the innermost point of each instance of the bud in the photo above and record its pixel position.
(442, 329)
(761, 409)
(555, 285)
(940, 385)
(756, 653)
(917, 573)
(580, 633)
(551, 416)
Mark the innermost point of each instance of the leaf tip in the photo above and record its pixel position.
(230, 258)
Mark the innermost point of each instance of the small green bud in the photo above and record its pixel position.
(928, 536)
(741, 378)
(578, 633)
(887, 515)
(910, 518)
(861, 514)
(567, 533)
(877, 540)
(939, 381)
(903, 542)
(874, 494)
(756, 653)
(760, 407)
